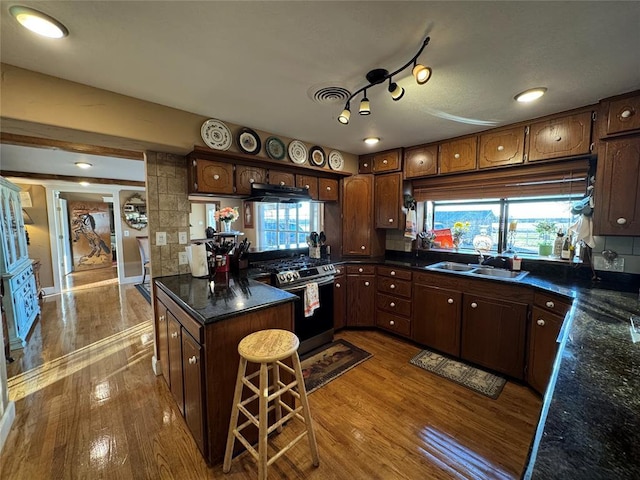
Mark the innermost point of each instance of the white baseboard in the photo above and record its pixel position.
(6, 421)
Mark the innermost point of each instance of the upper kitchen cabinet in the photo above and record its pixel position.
(623, 115)
(359, 237)
(388, 200)
(617, 194)
(388, 161)
(501, 147)
(365, 163)
(328, 190)
(310, 182)
(206, 176)
(282, 178)
(458, 155)
(247, 175)
(560, 137)
(420, 161)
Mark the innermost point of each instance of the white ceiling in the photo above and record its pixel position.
(253, 63)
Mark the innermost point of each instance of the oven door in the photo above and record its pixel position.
(316, 330)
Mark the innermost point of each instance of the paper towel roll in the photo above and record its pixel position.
(197, 256)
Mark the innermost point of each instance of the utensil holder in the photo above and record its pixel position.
(314, 252)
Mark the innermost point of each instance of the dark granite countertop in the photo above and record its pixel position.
(232, 295)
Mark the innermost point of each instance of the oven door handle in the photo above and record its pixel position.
(298, 288)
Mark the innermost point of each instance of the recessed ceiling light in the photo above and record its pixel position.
(530, 95)
(371, 140)
(83, 165)
(85, 184)
(38, 22)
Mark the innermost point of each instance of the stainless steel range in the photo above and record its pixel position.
(294, 275)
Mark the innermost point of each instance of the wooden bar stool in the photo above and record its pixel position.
(268, 348)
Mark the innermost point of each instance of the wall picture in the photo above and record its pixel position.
(90, 235)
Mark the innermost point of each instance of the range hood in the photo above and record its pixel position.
(264, 192)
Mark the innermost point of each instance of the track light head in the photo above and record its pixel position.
(365, 107)
(345, 115)
(396, 91)
(421, 73)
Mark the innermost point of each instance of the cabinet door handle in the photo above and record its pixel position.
(360, 270)
(328, 189)
(393, 273)
(251, 180)
(365, 165)
(621, 221)
(540, 322)
(558, 138)
(392, 304)
(193, 360)
(174, 335)
(626, 113)
(450, 300)
(474, 305)
(306, 186)
(456, 156)
(391, 220)
(500, 148)
(366, 284)
(216, 177)
(392, 323)
(282, 182)
(385, 161)
(337, 285)
(161, 319)
(392, 286)
(363, 247)
(550, 304)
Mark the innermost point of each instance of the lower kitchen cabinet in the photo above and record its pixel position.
(437, 318)
(192, 385)
(543, 346)
(361, 295)
(175, 360)
(339, 299)
(493, 334)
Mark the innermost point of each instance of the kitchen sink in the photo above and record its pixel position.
(477, 270)
(451, 266)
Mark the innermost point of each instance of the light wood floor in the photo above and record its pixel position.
(88, 406)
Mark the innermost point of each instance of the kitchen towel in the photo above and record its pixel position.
(411, 225)
(197, 257)
(311, 299)
(584, 230)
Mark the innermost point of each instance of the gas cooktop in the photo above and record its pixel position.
(294, 271)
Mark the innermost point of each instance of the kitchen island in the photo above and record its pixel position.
(198, 327)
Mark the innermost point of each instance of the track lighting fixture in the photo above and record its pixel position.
(421, 74)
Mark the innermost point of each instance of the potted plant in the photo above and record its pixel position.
(545, 230)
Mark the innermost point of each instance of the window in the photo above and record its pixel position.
(287, 225)
(509, 222)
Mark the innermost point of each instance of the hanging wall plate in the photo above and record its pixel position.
(298, 152)
(216, 134)
(336, 162)
(248, 141)
(316, 156)
(275, 148)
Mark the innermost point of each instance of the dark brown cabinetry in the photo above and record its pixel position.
(501, 147)
(389, 161)
(163, 340)
(175, 360)
(388, 200)
(361, 289)
(328, 190)
(458, 155)
(358, 235)
(543, 347)
(617, 194)
(623, 115)
(420, 161)
(365, 164)
(192, 384)
(247, 175)
(307, 181)
(560, 137)
(339, 298)
(206, 176)
(493, 334)
(393, 300)
(437, 318)
(282, 178)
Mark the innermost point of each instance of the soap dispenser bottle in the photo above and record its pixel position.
(558, 243)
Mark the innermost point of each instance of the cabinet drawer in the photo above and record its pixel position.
(395, 273)
(392, 304)
(393, 286)
(361, 269)
(553, 303)
(393, 323)
(624, 115)
(339, 269)
(328, 190)
(22, 278)
(386, 161)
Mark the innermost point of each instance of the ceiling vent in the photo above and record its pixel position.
(328, 95)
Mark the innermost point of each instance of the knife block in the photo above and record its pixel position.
(238, 264)
(314, 252)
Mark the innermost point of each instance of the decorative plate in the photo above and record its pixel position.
(336, 162)
(275, 148)
(216, 134)
(316, 156)
(249, 141)
(298, 152)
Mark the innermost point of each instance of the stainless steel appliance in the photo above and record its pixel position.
(293, 275)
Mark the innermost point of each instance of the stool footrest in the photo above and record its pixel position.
(286, 418)
(284, 388)
(284, 449)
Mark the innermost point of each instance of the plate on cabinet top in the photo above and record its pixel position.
(248, 141)
(316, 156)
(336, 162)
(216, 134)
(275, 148)
(298, 152)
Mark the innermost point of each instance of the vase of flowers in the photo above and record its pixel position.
(227, 215)
(545, 229)
(458, 231)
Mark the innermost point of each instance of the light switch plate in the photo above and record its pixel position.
(182, 238)
(126, 233)
(182, 258)
(161, 238)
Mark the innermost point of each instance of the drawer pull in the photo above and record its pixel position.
(392, 323)
(328, 189)
(550, 304)
(161, 319)
(360, 270)
(365, 165)
(363, 247)
(500, 148)
(306, 186)
(626, 113)
(193, 360)
(391, 220)
(392, 304)
(393, 273)
(282, 182)
(385, 161)
(252, 180)
(540, 322)
(474, 305)
(456, 156)
(216, 177)
(558, 138)
(392, 286)
(450, 300)
(337, 285)
(366, 284)
(621, 221)
(174, 335)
